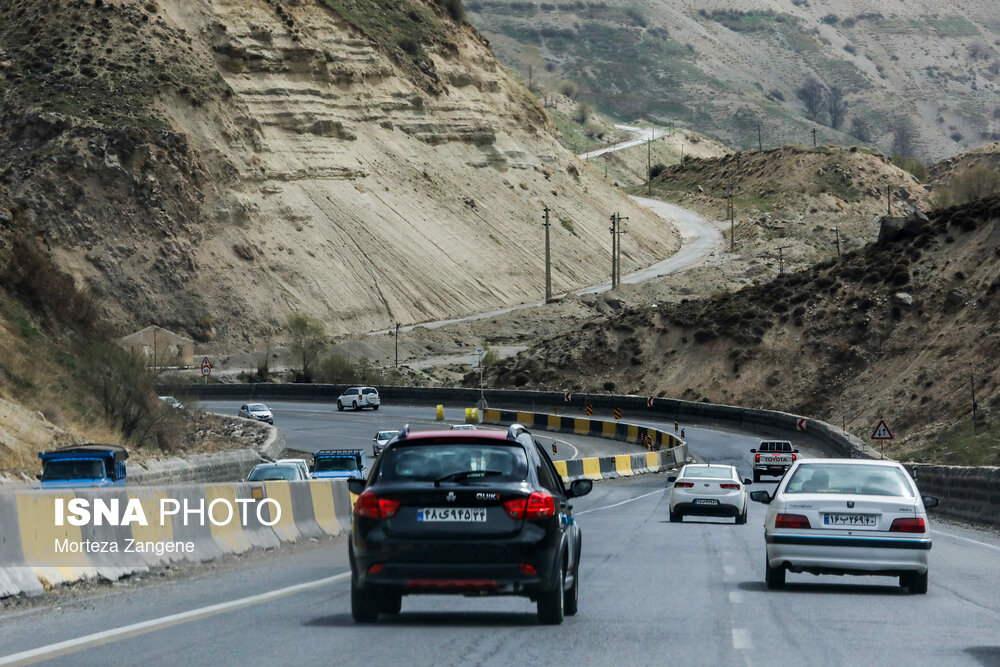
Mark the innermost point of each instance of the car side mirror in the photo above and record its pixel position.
(747, 480)
(753, 451)
(795, 451)
(38, 477)
(930, 501)
(580, 487)
(672, 478)
(356, 486)
(761, 497)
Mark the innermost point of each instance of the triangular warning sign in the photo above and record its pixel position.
(882, 431)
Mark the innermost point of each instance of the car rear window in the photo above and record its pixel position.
(872, 480)
(707, 473)
(428, 462)
(336, 464)
(288, 473)
(369, 390)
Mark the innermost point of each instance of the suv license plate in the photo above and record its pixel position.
(469, 514)
(849, 519)
(706, 501)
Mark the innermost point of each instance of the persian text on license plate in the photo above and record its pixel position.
(706, 501)
(849, 519)
(474, 514)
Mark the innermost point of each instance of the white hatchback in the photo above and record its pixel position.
(847, 516)
(708, 489)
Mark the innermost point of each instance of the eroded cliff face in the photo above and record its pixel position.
(212, 166)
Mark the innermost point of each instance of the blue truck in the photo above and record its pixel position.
(339, 463)
(83, 466)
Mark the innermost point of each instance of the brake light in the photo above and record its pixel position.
(731, 486)
(527, 568)
(793, 458)
(683, 485)
(909, 525)
(756, 458)
(376, 568)
(536, 506)
(791, 521)
(372, 507)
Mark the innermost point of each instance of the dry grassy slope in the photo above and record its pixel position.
(794, 197)
(288, 164)
(987, 155)
(832, 342)
(930, 62)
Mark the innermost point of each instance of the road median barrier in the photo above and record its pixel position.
(54, 537)
(669, 451)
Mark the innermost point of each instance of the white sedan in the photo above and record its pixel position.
(708, 489)
(847, 516)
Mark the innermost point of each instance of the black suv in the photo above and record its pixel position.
(465, 512)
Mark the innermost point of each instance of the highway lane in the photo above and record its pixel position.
(310, 426)
(652, 592)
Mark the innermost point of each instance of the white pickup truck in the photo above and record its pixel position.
(772, 457)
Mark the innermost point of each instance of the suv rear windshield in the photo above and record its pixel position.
(336, 464)
(428, 462)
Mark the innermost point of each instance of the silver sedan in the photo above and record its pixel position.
(847, 516)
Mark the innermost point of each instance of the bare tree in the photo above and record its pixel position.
(903, 137)
(836, 107)
(813, 94)
(860, 129)
(307, 339)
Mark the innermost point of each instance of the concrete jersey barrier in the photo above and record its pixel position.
(37, 553)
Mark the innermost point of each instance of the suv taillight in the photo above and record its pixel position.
(791, 521)
(371, 506)
(536, 506)
(909, 525)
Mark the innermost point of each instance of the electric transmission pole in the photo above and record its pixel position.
(781, 259)
(814, 136)
(548, 258)
(614, 255)
(649, 165)
(618, 232)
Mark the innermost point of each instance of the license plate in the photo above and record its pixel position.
(849, 519)
(469, 514)
(706, 501)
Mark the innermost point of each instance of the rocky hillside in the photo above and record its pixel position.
(794, 197)
(918, 77)
(901, 329)
(211, 166)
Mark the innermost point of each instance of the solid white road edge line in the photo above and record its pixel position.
(607, 507)
(116, 634)
(966, 539)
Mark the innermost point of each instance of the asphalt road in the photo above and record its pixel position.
(652, 593)
(309, 427)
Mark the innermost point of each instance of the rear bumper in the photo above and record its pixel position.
(690, 509)
(456, 579)
(775, 471)
(827, 554)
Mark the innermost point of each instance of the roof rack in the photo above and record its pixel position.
(337, 452)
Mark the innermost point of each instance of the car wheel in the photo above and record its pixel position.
(340, 406)
(391, 603)
(756, 477)
(374, 407)
(915, 583)
(571, 600)
(774, 577)
(676, 517)
(364, 605)
(354, 406)
(742, 517)
(550, 603)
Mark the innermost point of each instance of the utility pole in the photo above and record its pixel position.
(732, 220)
(972, 383)
(814, 136)
(760, 143)
(548, 258)
(888, 196)
(836, 231)
(397, 344)
(649, 165)
(614, 254)
(618, 233)
(781, 259)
